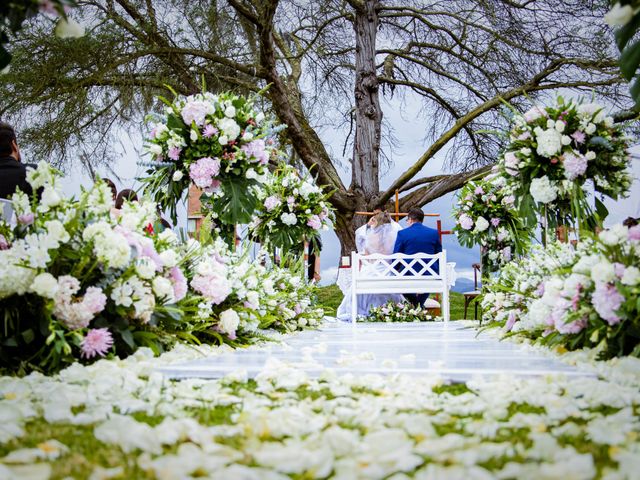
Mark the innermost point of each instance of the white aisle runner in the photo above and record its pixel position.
(452, 351)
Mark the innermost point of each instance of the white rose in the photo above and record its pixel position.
(481, 224)
(145, 268)
(631, 276)
(248, 136)
(223, 140)
(566, 140)
(50, 198)
(230, 111)
(44, 285)
(68, 28)
(590, 155)
(193, 135)
(591, 128)
(229, 128)
(551, 124)
(560, 125)
(169, 258)
(229, 321)
(155, 149)
(603, 271)
(163, 288)
(619, 15)
(251, 174)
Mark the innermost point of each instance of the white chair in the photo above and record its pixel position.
(6, 210)
(399, 273)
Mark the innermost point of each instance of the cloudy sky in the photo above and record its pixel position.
(409, 129)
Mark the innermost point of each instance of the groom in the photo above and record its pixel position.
(417, 238)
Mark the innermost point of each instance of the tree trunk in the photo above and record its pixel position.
(364, 177)
(346, 232)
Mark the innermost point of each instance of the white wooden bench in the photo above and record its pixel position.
(399, 273)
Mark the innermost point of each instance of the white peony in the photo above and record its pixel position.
(549, 142)
(68, 28)
(542, 190)
(481, 224)
(229, 321)
(45, 285)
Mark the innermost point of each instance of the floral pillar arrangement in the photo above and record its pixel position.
(219, 143)
(553, 151)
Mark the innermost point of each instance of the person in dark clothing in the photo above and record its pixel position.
(13, 173)
(313, 260)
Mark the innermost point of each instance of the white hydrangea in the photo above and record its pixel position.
(229, 128)
(481, 224)
(549, 142)
(542, 190)
(614, 235)
(603, 271)
(289, 218)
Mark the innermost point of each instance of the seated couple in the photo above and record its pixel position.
(384, 236)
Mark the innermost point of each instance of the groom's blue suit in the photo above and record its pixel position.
(418, 239)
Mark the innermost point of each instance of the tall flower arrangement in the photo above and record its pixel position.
(486, 215)
(554, 150)
(219, 143)
(292, 209)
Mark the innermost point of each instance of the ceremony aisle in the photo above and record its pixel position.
(123, 419)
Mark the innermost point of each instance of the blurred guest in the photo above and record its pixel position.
(112, 187)
(13, 173)
(125, 195)
(630, 222)
(313, 260)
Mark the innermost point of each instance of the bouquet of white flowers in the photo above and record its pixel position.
(398, 312)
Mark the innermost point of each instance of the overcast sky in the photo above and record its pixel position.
(409, 130)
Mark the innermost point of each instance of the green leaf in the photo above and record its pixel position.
(629, 60)
(626, 33)
(127, 336)
(28, 336)
(601, 210)
(238, 203)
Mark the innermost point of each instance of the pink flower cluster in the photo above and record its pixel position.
(315, 222)
(98, 341)
(271, 202)
(465, 221)
(77, 314)
(179, 283)
(212, 287)
(574, 166)
(607, 300)
(204, 171)
(256, 150)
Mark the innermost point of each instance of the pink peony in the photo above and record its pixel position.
(607, 300)
(98, 341)
(174, 153)
(204, 170)
(465, 222)
(574, 166)
(315, 222)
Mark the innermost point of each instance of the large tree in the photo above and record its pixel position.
(326, 63)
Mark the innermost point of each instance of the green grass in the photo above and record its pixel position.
(329, 298)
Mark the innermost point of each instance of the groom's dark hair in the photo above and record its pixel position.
(7, 136)
(416, 215)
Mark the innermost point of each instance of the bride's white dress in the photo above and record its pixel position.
(377, 240)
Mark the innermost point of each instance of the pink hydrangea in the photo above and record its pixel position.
(574, 166)
(256, 150)
(634, 233)
(315, 222)
(607, 300)
(94, 300)
(174, 153)
(204, 170)
(465, 222)
(196, 111)
(271, 202)
(98, 341)
(212, 287)
(179, 283)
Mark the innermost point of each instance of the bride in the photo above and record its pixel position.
(380, 238)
